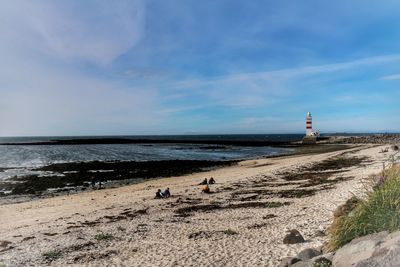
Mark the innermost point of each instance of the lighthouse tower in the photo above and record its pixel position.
(309, 131)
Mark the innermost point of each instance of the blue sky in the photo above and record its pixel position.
(203, 67)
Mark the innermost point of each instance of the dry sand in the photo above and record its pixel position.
(128, 227)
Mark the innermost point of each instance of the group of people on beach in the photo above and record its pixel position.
(206, 189)
(163, 194)
(204, 182)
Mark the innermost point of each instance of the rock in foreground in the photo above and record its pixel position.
(381, 249)
(293, 237)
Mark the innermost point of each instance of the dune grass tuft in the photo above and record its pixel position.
(380, 211)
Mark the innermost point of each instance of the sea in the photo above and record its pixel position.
(19, 159)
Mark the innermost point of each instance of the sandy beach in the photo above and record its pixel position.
(242, 223)
(108, 107)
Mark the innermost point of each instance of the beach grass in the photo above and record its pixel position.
(379, 211)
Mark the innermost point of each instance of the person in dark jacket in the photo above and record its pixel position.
(204, 182)
(167, 193)
(159, 194)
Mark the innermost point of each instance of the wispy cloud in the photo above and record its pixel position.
(181, 109)
(291, 72)
(93, 31)
(268, 87)
(391, 77)
(142, 74)
(45, 49)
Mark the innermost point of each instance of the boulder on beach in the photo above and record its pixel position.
(293, 237)
(308, 259)
(380, 249)
(288, 261)
(317, 261)
(308, 253)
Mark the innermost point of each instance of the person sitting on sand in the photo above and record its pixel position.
(204, 182)
(206, 189)
(211, 181)
(159, 194)
(167, 193)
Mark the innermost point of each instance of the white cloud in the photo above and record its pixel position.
(93, 31)
(44, 44)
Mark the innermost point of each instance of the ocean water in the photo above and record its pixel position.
(225, 137)
(18, 160)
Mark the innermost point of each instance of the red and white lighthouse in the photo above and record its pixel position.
(309, 130)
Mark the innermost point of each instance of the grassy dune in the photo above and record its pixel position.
(379, 211)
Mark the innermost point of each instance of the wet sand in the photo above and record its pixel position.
(242, 223)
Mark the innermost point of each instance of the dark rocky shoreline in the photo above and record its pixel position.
(97, 141)
(74, 177)
(366, 139)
